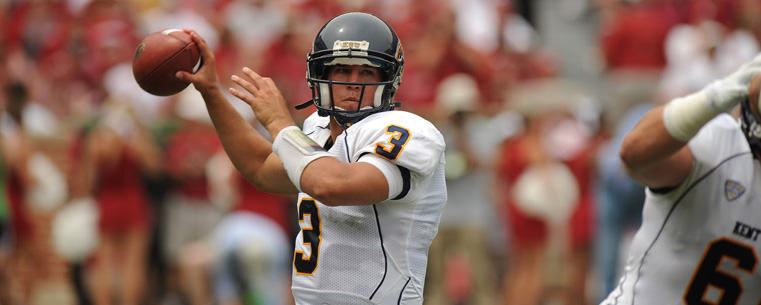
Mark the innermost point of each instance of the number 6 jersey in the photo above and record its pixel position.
(699, 243)
(373, 254)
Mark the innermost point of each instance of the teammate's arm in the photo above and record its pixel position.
(652, 156)
(248, 150)
(655, 151)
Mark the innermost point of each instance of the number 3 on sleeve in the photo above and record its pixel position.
(392, 149)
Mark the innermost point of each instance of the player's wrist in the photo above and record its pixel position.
(277, 126)
(296, 151)
(683, 117)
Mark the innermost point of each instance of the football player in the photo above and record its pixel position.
(369, 179)
(698, 243)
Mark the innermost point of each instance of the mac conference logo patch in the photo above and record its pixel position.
(733, 190)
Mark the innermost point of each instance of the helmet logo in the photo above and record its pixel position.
(341, 48)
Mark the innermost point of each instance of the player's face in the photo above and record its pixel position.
(347, 97)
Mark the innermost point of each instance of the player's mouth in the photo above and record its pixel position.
(349, 103)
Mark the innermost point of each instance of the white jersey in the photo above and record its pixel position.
(373, 254)
(699, 243)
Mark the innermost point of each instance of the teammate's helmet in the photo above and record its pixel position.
(750, 126)
(355, 39)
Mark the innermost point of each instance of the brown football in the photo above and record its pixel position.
(159, 56)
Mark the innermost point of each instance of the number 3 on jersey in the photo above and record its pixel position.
(709, 276)
(399, 138)
(309, 220)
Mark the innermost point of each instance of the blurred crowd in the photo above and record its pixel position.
(111, 195)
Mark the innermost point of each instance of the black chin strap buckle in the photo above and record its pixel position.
(304, 105)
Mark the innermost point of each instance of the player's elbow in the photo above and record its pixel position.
(631, 154)
(626, 154)
(323, 190)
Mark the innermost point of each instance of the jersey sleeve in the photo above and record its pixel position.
(402, 138)
(718, 140)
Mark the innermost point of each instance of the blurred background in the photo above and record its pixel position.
(110, 195)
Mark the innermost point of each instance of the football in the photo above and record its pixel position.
(159, 56)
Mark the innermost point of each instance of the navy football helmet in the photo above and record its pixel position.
(750, 126)
(354, 39)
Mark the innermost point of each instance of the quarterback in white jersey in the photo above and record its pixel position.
(370, 180)
(373, 254)
(698, 242)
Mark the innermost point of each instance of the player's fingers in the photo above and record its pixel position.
(258, 79)
(206, 52)
(241, 96)
(245, 84)
(184, 76)
(270, 84)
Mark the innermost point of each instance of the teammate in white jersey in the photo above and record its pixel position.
(370, 180)
(698, 243)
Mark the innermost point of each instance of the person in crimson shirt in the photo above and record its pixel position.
(118, 155)
(632, 43)
(538, 167)
(189, 215)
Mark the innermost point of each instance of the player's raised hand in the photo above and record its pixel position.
(205, 79)
(265, 99)
(725, 94)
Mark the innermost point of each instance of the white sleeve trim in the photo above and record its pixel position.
(390, 170)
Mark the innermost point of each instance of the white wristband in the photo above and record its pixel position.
(685, 116)
(296, 151)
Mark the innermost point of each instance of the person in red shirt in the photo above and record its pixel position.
(118, 154)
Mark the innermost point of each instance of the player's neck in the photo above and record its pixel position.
(335, 129)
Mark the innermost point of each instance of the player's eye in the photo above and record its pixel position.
(368, 72)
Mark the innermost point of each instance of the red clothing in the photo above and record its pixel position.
(285, 62)
(121, 197)
(21, 224)
(273, 206)
(637, 38)
(42, 29)
(526, 230)
(188, 152)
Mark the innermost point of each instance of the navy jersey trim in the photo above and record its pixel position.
(401, 293)
(665, 220)
(405, 182)
(346, 145)
(329, 143)
(383, 248)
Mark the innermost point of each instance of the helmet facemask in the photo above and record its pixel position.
(323, 96)
(355, 39)
(750, 126)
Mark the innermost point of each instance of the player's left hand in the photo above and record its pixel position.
(265, 99)
(725, 94)
(205, 79)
